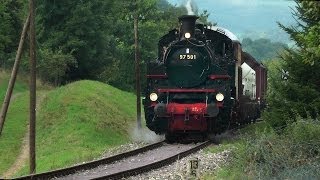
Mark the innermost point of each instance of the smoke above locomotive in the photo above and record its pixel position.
(191, 7)
(194, 87)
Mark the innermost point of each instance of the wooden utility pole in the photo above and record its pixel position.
(32, 88)
(13, 77)
(137, 66)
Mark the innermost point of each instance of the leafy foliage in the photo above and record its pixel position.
(292, 155)
(99, 36)
(11, 24)
(299, 93)
(90, 39)
(262, 153)
(54, 65)
(79, 28)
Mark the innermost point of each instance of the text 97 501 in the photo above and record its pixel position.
(187, 57)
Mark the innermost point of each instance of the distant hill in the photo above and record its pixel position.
(263, 49)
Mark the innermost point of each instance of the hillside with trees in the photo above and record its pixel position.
(88, 39)
(263, 49)
(95, 38)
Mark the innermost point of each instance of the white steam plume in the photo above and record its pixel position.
(144, 135)
(191, 7)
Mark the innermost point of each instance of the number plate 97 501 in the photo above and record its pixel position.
(187, 57)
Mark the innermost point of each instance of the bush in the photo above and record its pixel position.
(304, 130)
(53, 65)
(294, 154)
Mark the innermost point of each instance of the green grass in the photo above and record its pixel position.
(20, 86)
(75, 123)
(252, 130)
(238, 147)
(14, 131)
(261, 153)
(16, 121)
(79, 121)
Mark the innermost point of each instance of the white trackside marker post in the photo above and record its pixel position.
(194, 167)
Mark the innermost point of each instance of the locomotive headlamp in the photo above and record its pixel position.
(153, 97)
(187, 35)
(219, 97)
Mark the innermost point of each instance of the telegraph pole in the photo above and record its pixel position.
(13, 77)
(32, 88)
(137, 65)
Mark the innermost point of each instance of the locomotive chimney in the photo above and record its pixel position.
(187, 28)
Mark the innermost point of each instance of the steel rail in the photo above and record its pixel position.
(91, 164)
(155, 165)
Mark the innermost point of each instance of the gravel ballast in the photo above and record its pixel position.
(208, 163)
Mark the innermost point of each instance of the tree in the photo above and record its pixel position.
(99, 35)
(79, 28)
(53, 65)
(299, 94)
(304, 61)
(11, 12)
(157, 18)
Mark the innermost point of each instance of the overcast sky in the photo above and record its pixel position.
(241, 16)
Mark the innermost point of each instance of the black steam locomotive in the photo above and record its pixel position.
(195, 86)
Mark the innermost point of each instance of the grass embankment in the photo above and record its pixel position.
(20, 85)
(262, 153)
(15, 126)
(79, 121)
(75, 123)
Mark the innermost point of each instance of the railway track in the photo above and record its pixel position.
(91, 164)
(127, 164)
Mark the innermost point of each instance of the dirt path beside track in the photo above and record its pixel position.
(24, 153)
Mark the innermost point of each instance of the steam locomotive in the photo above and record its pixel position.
(201, 83)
